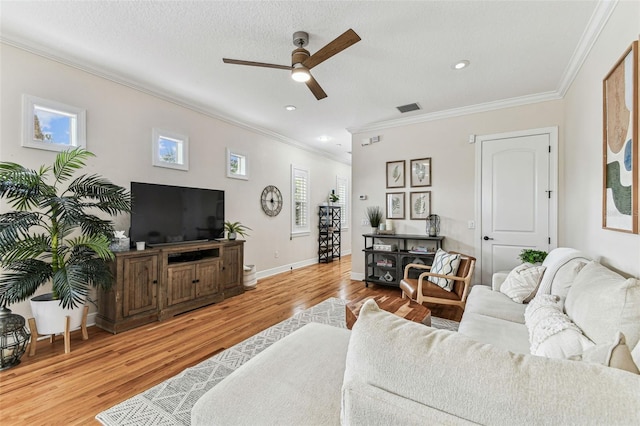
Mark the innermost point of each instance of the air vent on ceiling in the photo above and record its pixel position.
(408, 108)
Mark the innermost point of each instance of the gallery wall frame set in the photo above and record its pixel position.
(620, 144)
(419, 173)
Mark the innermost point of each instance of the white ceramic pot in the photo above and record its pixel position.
(50, 316)
(232, 236)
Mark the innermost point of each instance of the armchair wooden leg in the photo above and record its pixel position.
(85, 313)
(67, 335)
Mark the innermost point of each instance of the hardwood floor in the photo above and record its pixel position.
(55, 388)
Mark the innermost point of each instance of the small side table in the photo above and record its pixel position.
(405, 308)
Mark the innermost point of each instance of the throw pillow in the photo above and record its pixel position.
(615, 354)
(552, 334)
(522, 282)
(444, 264)
(602, 302)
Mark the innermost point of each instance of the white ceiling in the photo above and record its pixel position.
(520, 52)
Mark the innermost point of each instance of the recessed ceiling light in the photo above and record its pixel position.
(460, 65)
(290, 107)
(324, 138)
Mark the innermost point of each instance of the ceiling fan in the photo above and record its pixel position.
(302, 61)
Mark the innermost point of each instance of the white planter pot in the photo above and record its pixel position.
(232, 236)
(50, 316)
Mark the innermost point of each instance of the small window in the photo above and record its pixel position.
(300, 201)
(237, 165)
(342, 189)
(170, 150)
(52, 125)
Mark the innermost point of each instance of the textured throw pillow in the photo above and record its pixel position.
(444, 264)
(552, 334)
(522, 282)
(615, 354)
(602, 302)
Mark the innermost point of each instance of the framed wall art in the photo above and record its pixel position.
(420, 204)
(170, 149)
(420, 172)
(52, 125)
(395, 205)
(395, 174)
(620, 144)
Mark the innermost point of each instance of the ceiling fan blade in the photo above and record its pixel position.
(256, 64)
(347, 39)
(315, 88)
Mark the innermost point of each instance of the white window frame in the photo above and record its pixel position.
(243, 168)
(305, 229)
(77, 123)
(342, 189)
(182, 141)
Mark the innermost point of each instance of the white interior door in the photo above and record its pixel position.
(517, 197)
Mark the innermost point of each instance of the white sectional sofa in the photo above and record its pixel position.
(388, 370)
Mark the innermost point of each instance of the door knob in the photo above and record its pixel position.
(487, 238)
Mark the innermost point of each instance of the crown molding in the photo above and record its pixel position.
(457, 112)
(64, 59)
(596, 24)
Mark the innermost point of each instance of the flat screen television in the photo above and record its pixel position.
(165, 214)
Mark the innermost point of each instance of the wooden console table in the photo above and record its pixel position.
(387, 267)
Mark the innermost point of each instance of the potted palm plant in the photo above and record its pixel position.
(234, 229)
(53, 235)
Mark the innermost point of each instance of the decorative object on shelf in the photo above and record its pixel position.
(382, 227)
(395, 205)
(433, 225)
(120, 242)
(395, 174)
(234, 229)
(421, 172)
(271, 200)
(532, 256)
(389, 224)
(620, 144)
(420, 204)
(13, 338)
(374, 216)
(53, 235)
(333, 197)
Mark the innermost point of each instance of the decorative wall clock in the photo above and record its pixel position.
(271, 200)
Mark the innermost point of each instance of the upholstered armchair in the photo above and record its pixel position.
(422, 290)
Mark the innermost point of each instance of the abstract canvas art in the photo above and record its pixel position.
(620, 144)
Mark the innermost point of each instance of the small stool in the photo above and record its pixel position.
(67, 333)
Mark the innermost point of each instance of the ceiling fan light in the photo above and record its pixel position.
(300, 73)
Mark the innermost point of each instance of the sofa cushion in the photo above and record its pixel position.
(551, 332)
(470, 381)
(563, 265)
(295, 381)
(522, 282)
(615, 354)
(444, 264)
(507, 335)
(602, 302)
(485, 301)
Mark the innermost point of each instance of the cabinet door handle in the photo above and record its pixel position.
(193, 281)
(155, 281)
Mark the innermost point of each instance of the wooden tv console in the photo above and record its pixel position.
(159, 283)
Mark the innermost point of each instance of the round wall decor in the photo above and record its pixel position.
(271, 200)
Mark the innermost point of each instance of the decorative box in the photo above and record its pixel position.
(385, 247)
(119, 244)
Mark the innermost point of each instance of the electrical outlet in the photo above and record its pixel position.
(471, 224)
(276, 254)
(365, 222)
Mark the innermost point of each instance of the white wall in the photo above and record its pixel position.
(119, 124)
(581, 206)
(446, 141)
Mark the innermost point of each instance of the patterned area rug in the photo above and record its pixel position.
(170, 402)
